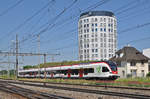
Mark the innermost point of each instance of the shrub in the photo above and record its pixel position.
(148, 75)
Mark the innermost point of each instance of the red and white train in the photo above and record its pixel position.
(95, 70)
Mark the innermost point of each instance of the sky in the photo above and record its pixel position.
(56, 22)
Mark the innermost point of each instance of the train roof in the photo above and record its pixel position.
(47, 65)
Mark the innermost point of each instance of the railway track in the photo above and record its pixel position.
(100, 92)
(85, 84)
(27, 93)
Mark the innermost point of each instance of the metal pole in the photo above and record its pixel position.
(8, 73)
(44, 66)
(39, 53)
(16, 56)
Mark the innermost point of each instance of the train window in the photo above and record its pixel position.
(86, 71)
(74, 72)
(105, 69)
(91, 70)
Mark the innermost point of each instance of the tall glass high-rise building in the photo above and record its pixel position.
(97, 35)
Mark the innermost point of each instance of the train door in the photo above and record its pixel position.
(81, 73)
(69, 73)
(30, 74)
(52, 75)
(34, 74)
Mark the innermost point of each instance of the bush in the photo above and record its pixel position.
(129, 75)
(148, 75)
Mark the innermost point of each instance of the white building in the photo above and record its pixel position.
(146, 52)
(131, 62)
(97, 35)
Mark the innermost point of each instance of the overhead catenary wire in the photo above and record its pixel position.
(88, 8)
(64, 38)
(10, 8)
(24, 22)
(52, 23)
(134, 27)
(137, 40)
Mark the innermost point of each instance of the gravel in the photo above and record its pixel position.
(4, 95)
(71, 94)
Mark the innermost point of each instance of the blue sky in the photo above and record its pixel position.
(62, 37)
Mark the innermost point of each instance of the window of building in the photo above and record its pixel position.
(81, 21)
(95, 19)
(96, 55)
(87, 50)
(87, 35)
(111, 30)
(96, 50)
(101, 44)
(95, 39)
(123, 73)
(96, 45)
(92, 30)
(96, 30)
(92, 45)
(87, 30)
(132, 63)
(142, 62)
(87, 20)
(111, 20)
(84, 31)
(104, 24)
(95, 24)
(81, 57)
(112, 25)
(101, 39)
(101, 19)
(101, 29)
(104, 19)
(134, 73)
(92, 40)
(87, 25)
(108, 19)
(95, 34)
(84, 45)
(92, 24)
(104, 34)
(92, 35)
(81, 30)
(87, 45)
(93, 50)
(87, 40)
(101, 24)
(104, 29)
(142, 73)
(84, 51)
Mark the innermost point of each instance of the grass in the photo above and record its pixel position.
(6, 77)
(130, 82)
(144, 80)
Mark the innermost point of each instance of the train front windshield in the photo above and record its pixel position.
(113, 66)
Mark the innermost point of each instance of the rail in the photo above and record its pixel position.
(120, 94)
